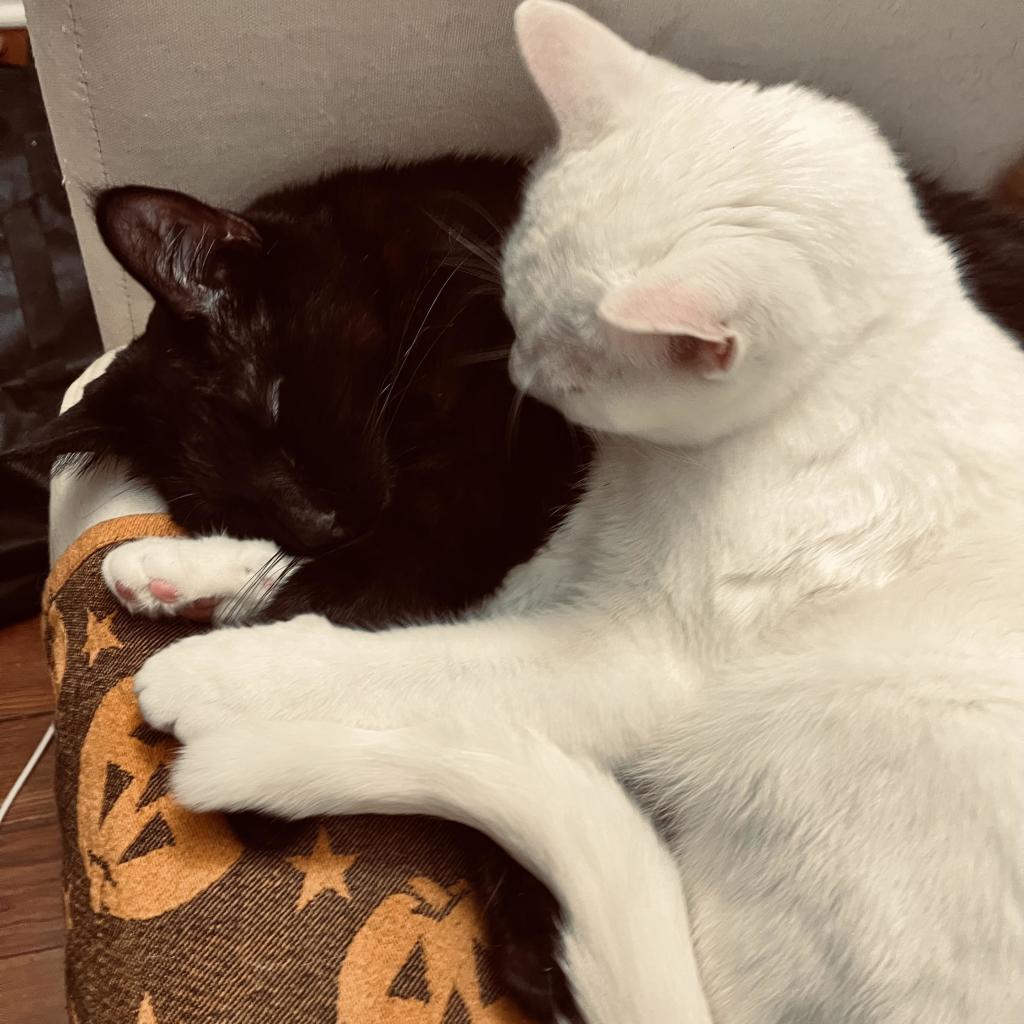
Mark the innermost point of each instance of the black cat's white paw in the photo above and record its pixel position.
(199, 578)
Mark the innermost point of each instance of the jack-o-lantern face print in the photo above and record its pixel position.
(57, 635)
(416, 961)
(143, 854)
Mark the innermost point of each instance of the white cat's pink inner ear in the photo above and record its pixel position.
(711, 359)
(689, 321)
(583, 70)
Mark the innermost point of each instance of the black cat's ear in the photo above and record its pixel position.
(185, 253)
(74, 435)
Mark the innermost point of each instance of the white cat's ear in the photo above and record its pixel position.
(692, 322)
(584, 71)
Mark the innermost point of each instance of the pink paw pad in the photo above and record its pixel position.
(124, 591)
(163, 591)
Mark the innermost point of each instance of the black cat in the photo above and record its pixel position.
(328, 372)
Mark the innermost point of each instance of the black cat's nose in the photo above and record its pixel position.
(315, 529)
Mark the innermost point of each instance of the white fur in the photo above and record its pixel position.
(787, 610)
(80, 500)
(237, 576)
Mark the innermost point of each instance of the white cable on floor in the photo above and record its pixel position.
(20, 781)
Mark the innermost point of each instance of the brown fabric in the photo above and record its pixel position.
(175, 918)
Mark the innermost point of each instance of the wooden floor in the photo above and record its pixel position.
(31, 905)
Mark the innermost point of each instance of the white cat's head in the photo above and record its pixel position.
(692, 252)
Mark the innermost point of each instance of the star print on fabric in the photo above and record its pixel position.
(99, 637)
(322, 870)
(146, 1014)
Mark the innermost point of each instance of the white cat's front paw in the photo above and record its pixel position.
(185, 689)
(192, 577)
(219, 771)
(201, 683)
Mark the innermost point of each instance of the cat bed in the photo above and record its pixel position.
(179, 918)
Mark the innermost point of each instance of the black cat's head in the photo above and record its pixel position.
(252, 399)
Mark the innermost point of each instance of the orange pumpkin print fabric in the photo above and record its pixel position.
(179, 918)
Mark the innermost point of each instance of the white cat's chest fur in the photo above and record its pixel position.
(759, 542)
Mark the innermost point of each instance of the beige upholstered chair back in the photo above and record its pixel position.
(227, 98)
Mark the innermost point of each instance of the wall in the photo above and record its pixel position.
(228, 98)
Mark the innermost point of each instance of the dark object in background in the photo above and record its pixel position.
(48, 332)
(1009, 189)
(14, 48)
(990, 243)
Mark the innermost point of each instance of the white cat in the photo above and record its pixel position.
(788, 608)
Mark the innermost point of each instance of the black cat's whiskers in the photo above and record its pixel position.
(408, 351)
(376, 413)
(414, 305)
(236, 607)
(239, 606)
(481, 262)
(471, 204)
(424, 355)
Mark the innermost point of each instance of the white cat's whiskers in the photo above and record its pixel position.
(493, 356)
(485, 254)
(514, 410)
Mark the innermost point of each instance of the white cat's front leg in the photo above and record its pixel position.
(569, 676)
(298, 769)
(218, 577)
(547, 580)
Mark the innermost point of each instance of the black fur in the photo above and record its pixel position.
(394, 462)
(990, 244)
